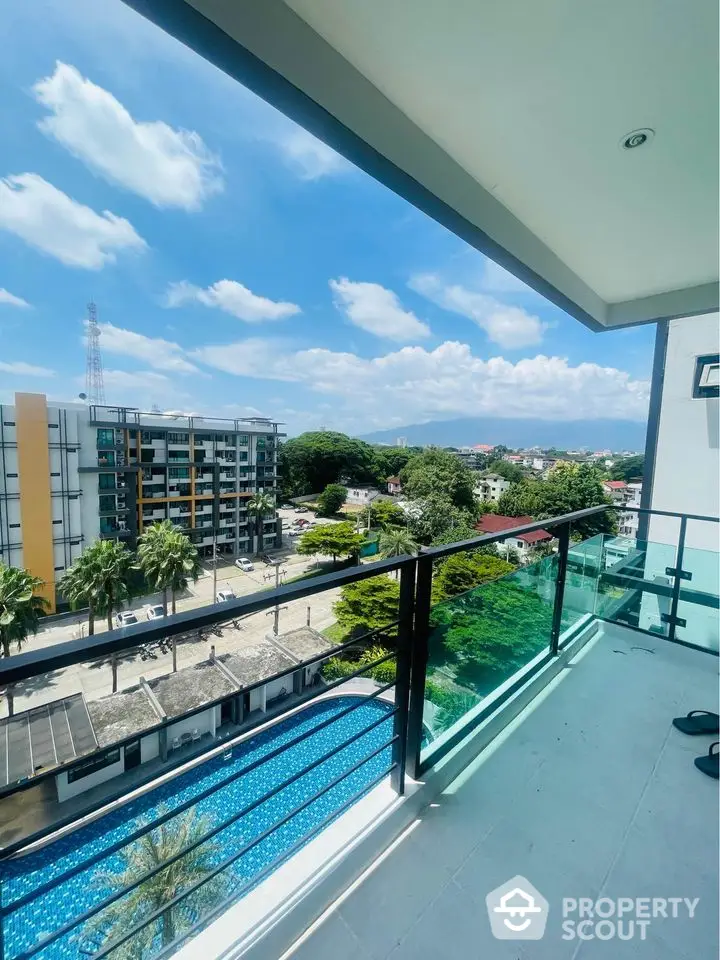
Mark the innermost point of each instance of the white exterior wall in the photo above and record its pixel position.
(687, 462)
(204, 722)
(149, 747)
(274, 688)
(67, 790)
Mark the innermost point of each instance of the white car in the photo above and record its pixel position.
(244, 564)
(224, 595)
(155, 611)
(125, 619)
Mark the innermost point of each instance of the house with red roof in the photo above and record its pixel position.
(394, 486)
(524, 543)
(617, 490)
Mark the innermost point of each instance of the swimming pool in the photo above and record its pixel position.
(69, 897)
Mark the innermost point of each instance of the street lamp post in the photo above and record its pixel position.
(276, 609)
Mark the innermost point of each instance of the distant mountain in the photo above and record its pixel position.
(564, 434)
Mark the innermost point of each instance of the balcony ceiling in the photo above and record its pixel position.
(504, 122)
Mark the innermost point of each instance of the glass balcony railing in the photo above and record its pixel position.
(143, 878)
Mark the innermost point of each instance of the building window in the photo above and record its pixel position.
(106, 459)
(8, 423)
(93, 763)
(57, 521)
(107, 503)
(105, 437)
(243, 440)
(106, 481)
(179, 455)
(179, 473)
(53, 426)
(10, 474)
(13, 526)
(147, 456)
(55, 474)
(261, 443)
(59, 568)
(178, 438)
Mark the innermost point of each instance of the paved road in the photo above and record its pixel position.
(95, 679)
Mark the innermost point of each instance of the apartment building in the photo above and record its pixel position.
(491, 487)
(73, 473)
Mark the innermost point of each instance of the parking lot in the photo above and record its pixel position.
(95, 679)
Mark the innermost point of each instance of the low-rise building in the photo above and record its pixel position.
(617, 490)
(394, 487)
(491, 487)
(628, 522)
(361, 494)
(524, 543)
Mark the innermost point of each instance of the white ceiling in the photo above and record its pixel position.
(503, 118)
(531, 98)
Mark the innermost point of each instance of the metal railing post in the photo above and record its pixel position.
(420, 637)
(672, 619)
(402, 676)
(563, 547)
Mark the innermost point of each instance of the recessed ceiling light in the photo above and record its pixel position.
(637, 138)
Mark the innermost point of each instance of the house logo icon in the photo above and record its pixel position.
(517, 911)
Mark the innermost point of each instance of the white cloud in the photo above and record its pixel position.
(154, 351)
(497, 279)
(49, 220)
(310, 157)
(414, 384)
(233, 298)
(377, 310)
(124, 380)
(11, 300)
(170, 168)
(509, 326)
(21, 369)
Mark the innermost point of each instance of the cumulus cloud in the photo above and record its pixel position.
(170, 168)
(377, 310)
(309, 157)
(51, 221)
(233, 298)
(21, 369)
(414, 384)
(509, 326)
(154, 351)
(11, 300)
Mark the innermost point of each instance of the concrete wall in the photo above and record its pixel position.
(273, 689)
(204, 722)
(687, 463)
(149, 747)
(67, 790)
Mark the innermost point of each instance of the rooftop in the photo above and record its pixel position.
(303, 643)
(189, 688)
(121, 715)
(496, 522)
(255, 661)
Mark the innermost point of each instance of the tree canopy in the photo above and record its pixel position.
(310, 462)
(436, 472)
(463, 571)
(628, 468)
(385, 514)
(568, 487)
(331, 539)
(20, 606)
(434, 516)
(332, 499)
(368, 605)
(510, 471)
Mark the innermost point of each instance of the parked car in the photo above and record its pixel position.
(301, 509)
(125, 618)
(155, 611)
(224, 595)
(244, 564)
(302, 523)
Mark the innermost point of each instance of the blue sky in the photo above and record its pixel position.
(239, 266)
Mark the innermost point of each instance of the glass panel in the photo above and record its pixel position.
(481, 638)
(699, 599)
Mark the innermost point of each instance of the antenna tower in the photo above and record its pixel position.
(94, 385)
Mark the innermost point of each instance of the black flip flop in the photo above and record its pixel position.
(697, 722)
(710, 763)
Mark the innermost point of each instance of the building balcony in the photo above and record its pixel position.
(522, 729)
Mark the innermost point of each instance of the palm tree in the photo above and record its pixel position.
(20, 611)
(168, 560)
(260, 505)
(152, 850)
(77, 583)
(396, 542)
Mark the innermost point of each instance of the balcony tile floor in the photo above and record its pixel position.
(590, 793)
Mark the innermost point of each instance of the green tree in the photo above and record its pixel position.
(568, 487)
(77, 586)
(628, 468)
(368, 605)
(434, 516)
(396, 542)
(20, 611)
(464, 571)
(385, 514)
(510, 471)
(260, 505)
(439, 473)
(310, 462)
(331, 539)
(389, 461)
(156, 847)
(332, 499)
